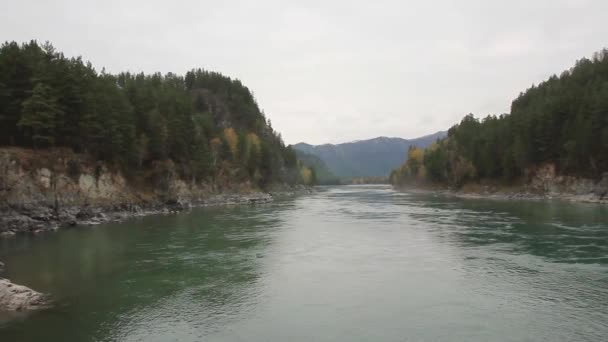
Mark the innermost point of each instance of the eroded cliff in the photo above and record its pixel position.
(43, 190)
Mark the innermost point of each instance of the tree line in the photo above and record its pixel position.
(207, 124)
(563, 121)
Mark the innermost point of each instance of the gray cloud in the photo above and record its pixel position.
(334, 71)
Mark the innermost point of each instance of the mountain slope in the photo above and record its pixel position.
(324, 176)
(365, 158)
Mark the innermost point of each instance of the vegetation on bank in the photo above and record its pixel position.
(207, 124)
(562, 121)
(321, 174)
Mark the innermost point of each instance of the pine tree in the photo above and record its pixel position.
(205, 123)
(38, 116)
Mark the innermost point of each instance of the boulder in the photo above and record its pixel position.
(15, 297)
(175, 205)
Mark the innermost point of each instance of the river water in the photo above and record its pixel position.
(350, 263)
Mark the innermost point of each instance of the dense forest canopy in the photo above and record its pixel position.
(207, 124)
(563, 121)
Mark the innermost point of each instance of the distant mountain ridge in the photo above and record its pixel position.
(366, 158)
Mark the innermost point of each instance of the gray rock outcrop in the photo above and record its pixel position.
(15, 297)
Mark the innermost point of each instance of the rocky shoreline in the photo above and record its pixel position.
(33, 219)
(46, 190)
(528, 196)
(30, 218)
(511, 195)
(542, 184)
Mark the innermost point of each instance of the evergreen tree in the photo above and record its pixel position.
(562, 121)
(39, 116)
(208, 125)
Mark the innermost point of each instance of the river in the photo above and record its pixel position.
(349, 263)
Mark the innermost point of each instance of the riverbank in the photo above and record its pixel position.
(544, 183)
(33, 218)
(49, 189)
(529, 196)
(511, 193)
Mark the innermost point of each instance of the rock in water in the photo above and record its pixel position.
(1, 267)
(15, 297)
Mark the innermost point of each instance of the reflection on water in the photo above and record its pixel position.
(355, 263)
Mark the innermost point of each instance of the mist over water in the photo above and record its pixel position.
(349, 263)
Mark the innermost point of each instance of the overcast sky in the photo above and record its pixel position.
(333, 71)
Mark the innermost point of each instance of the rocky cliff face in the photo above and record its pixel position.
(60, 178)
(41, 190)
(542, 182)
(546, 181)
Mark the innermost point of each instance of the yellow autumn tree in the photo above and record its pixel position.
(232, 139)
(306, 174)
(254, 142)
(415, 160)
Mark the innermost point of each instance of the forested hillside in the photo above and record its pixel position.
(366, 158)
(562, 121)
(322, 174)
(207, 124)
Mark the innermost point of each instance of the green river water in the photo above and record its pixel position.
(350, 263)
